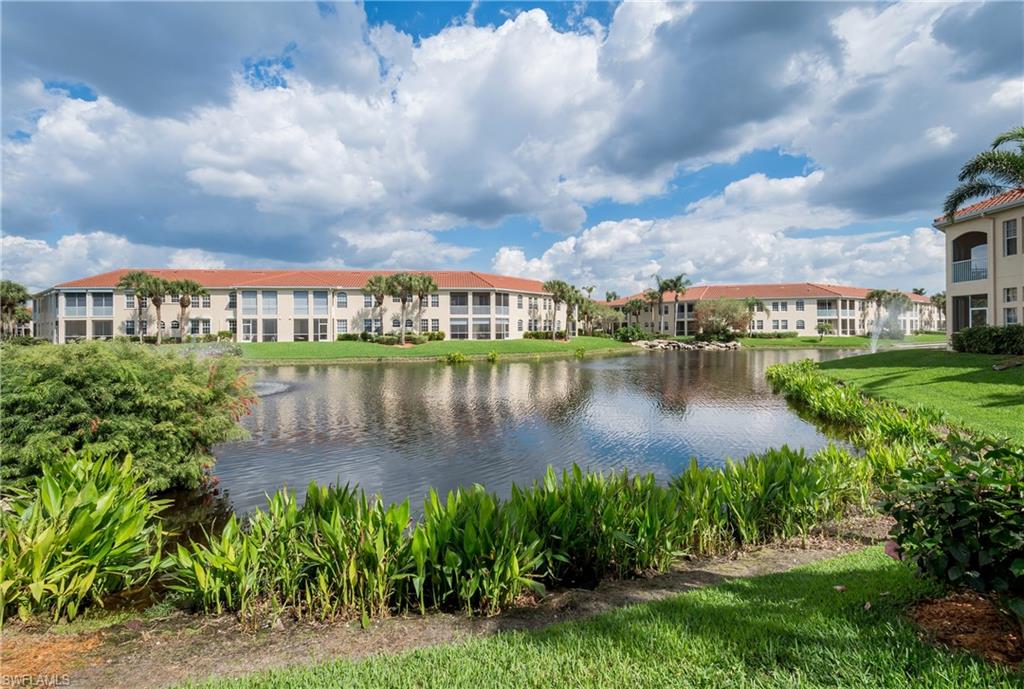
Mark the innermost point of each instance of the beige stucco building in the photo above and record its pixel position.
(985, 262)
(295, 305)
(791, 307)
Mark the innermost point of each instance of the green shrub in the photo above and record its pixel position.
(543, 335)
(990, 339)
(366, 336)
(718, 335)
(452, 358)
(225, 335)
(386, 339)
(960, 516)
(772, 334)
(166, 409)
(85, 530)
(435, 335)
(492, 356)
(416, 339)
(632, 333)
(24, 341)
(348, 337)
(581, 352)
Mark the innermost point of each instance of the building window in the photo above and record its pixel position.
(367, 301)
(1009, 294)
(129, 327)
(395, 299)
(435, 325)
(300, 330)
(501, 304)
(481, 302)
(233, 300)
(408, 324)
(800, 325)
(367, 325)
(775, 325)
(270, 330)
(248, 328)
(249, 303)
(301, 300)
(501, 329)
(206, 301)
(395, 324)
(775, 306)
(458, 302)
(143, 327)
(74, 304)
(143, 302)
(519, 301)
(1010, 238)
(269, 304)
(424, 325)
(799, 304)
(519, 324)
(340, 326)
(785, 324)
(435, 299)
(1010, 316)
(760, 325)
(129, 300)
(206, 326)
(232, 326)
(103, 304)
(784, 305)
(460, 329)
(193, 326)
(320, 302)
(341, 300)
(174, 325)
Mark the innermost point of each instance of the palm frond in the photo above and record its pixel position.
(1006, 167)
(969, 190)
(1016, 135)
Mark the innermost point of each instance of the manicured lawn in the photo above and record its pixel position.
(964, 386)
(849, 342)
(784, 630)
(294, 351)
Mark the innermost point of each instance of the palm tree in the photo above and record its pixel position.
(402, 286)
(573, 299)
(13, 296)
(989, 173)
(938, 300)
(378, 287)
(823, 330)
(156, 289)
(134, 281)
(185, 289)
(423, 287)
(677, 285)
(633, 307)
(559, 290)
(919, 291)
(654, 299)
(611, 295)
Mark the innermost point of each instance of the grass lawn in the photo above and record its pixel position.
(848, 342)
(964, 386)
(785, 630)
(296, 351)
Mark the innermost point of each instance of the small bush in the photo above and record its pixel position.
(772, 335)
(366, 336)
(416, 339)
(24, 341)
(715, 336)
(632, 333)
(386, 339)
(348, 337)
(454, 358)
(581, 352)
(492, 356)
(225, 335)
(85, 530)
(990, 339)
(960, 516)
(543, 335)
(435, 335)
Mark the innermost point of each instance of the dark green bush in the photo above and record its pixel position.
(348, 337)
(114, 398)
(432, 336)
(416, 339)
(543, 335)
(772, 334)
(632, 333)
(960, 516)
(715, 336)
(366, 336)
(225, 335)
(386, 339)
(990, 339)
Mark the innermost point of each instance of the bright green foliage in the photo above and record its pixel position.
(114, 398)
(85, 530)
(990, 339)
(632, 333)
(492, 356)
(458, 358)
(960, 516)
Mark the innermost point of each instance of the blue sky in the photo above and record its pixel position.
(596, 142)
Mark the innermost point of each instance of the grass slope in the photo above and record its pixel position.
(294, 351)
(830, 341)
(785, 630)
(964, 386)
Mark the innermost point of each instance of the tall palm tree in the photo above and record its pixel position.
(611, 295)
(919, 291)
(753, 305)
(633, 307)
(559, 290)
(185, 289)
(423, 287)
(938, 300)
(676, 284)
(156, 289)
(134, 282)
(401, 285)
(377, 286)
(573, 299)
(654, 299)
(13, 296)
(989, 173)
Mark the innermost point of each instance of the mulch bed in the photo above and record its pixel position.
(972, 622)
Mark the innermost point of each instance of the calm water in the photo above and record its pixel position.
(401, 429)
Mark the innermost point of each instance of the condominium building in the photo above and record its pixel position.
(790, 307)
(295, 305)
(985, 262)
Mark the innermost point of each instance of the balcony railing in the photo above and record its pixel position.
(848, 313)
(828, 313)
(459, 309)
(970, 269)
(483, 309)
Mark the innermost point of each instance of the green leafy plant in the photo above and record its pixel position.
(84, 530)
(990, 339)
(492, 356)
(632, 333)
(453, 358)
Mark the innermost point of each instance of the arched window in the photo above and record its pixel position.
(174, 325)
(520, 322)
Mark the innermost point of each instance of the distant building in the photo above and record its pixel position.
(296, 305)
(985, 262)
(790, 307)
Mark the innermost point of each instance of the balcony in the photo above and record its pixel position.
(848, 313)
(828, 313)
(481, 309)
(970, 269)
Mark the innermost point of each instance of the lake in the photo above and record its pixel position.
(400, 429)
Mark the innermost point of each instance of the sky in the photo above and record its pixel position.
(593, 142)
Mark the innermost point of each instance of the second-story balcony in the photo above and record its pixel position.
(828, 313)
(848, 313)
(970, 269)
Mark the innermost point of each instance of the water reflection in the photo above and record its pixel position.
(401, 429)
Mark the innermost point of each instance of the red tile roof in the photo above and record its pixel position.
(783, 290)
(1007, 198)
(352, 279)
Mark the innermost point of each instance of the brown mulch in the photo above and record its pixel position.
(972, 622)
(50, 655)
